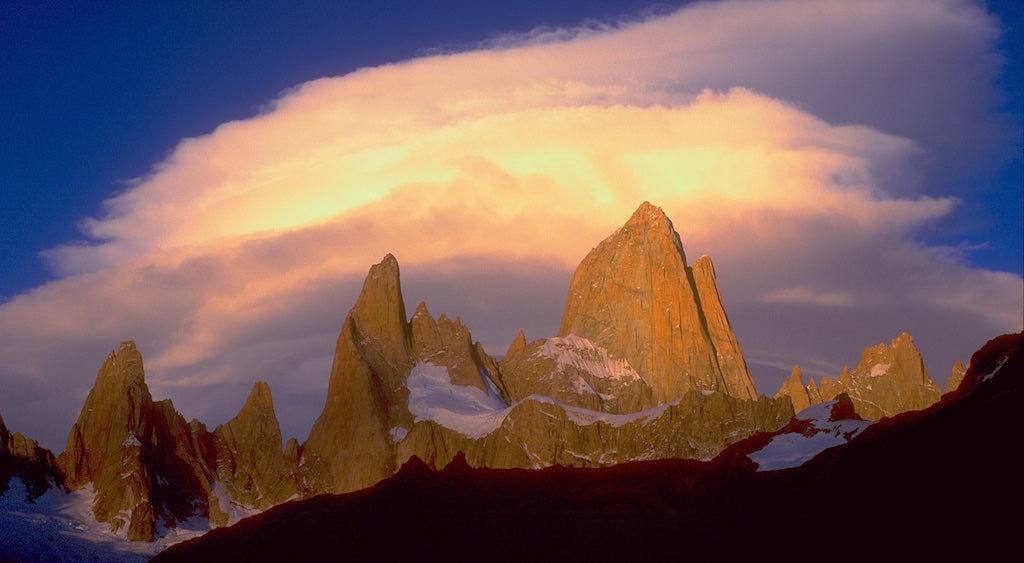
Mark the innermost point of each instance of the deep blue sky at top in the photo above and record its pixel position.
(94, 93)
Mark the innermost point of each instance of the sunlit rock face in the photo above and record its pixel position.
(794, 389)
(574, 371)
(349, 446)
(955, 377)
(890, 379)
(352, 443)
(635, 296)
(609, 389)
(540, 432)
(149, 468)
(422, 387)
(139, 456)
(254, 470)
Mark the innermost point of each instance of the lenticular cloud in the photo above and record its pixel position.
(772, 133)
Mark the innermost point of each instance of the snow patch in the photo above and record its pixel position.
(132, 441)
(879, 370)
(585, 417)
(582, 354)
(994, 370)
(793, 449)
(234, 510)
(397, 433)
(463, 408)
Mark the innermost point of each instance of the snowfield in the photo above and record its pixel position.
(792, 449)
(59, 527)
(582, 354)
(462, 408)
(473, 413)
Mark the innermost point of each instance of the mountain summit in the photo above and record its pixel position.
(636, 296)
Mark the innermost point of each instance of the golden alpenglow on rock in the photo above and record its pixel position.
(794, 389)
(890, 379)
(349, 446)
(385, 370)
(138, 455)
(256, 473)
(422, 387)
(149, 468)
(635, 296)
(646, 366)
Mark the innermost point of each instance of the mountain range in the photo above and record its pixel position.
(940, 484)
(645, 366)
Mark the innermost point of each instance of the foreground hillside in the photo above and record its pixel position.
(939, 483)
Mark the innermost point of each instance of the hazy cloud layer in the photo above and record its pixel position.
(793, 141)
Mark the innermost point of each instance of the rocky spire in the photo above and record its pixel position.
(114, 413)
(250, 461)
(793, 387)
(379, 312)
(956, 376)
(735, 376)
(890, 379)
(635, 296)
(140, 456)
(448, 343)
(352, 443)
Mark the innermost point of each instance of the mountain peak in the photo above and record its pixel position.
(793, 387)
(635, 296)
(379, 311)
(260, 398)
(122, 368)
(252, 467)
(112, 446)
(904, 339)
(647, 212)
(889, 379)
(646, 226)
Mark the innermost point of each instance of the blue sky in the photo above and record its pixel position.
(174, 173)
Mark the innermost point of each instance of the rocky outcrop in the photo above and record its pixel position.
(251, 465)
(793, 388)
(635, 297)
(149, 468)
(22, 458)
(140, 457)
(955, 377)
(645, 366)
(890, 379)
(574, 371)
(541, 432)
(352, 443)
(349, 445)
(449, 343)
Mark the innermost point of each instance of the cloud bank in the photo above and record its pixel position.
(793, 141)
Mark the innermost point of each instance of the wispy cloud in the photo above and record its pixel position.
(786, 139)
